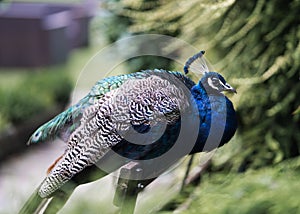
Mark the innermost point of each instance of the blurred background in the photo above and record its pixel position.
(44, 45)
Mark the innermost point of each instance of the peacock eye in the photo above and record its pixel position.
(216, 81)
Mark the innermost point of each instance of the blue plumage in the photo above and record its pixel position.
(205, 96)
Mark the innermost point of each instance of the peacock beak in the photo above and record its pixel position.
(230, 88)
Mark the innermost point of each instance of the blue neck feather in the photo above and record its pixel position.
(221, 104)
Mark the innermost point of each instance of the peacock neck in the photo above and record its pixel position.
(218, 103)
(204, 98)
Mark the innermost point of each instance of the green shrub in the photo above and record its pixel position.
(19, 104)
(34, 94)
(54, 83)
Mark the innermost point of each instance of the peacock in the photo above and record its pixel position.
(153, 116)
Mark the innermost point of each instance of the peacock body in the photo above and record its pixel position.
(139, 116)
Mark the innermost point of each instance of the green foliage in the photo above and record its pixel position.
(19, 104)
(256, 46)
(54, 83)
(124, 15)
(263, 54)
(33, 94)
(273, 190)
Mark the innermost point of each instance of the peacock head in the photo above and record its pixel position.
(214, 83)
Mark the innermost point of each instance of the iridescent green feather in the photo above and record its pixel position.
(66, 122)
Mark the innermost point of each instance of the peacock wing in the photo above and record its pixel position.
(119, 114)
